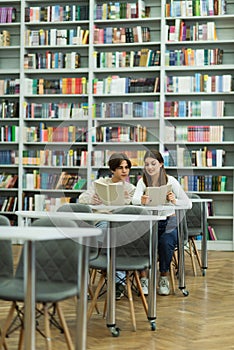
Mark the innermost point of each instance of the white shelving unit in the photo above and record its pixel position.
(109, 118)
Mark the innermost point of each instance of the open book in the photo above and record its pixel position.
(158, 195)
(110, 194)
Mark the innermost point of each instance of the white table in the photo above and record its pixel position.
(31, 234)
(111, 267)
(180, 212)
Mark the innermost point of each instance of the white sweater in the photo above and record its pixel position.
(181, 197)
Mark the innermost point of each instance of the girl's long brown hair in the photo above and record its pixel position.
(163, 179)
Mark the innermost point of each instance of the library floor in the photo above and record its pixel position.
(203, 320)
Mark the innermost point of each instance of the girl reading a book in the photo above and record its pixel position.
(154, 175)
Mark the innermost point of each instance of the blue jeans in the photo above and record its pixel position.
(167, 242)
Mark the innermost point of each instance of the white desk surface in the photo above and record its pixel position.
(89, 216)
(36, 233)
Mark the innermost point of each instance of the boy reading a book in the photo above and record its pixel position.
(119, 165)
(154, 175)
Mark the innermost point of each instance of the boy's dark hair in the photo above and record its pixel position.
(116, 159)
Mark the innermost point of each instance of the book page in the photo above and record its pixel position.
(110, 194)
(158, 195)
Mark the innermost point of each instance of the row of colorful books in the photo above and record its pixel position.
(121, 134)
(55, 158)
(141, 58)
(8, 204)
(51, 60)
(199, 83)
(9, 157)
(56, 86)
(203, 182)
(47, 181)
(9, 86)
(194, 133)
(189, 8)
(56, 13)
(9, 109)
(141, 109)
(43, 133)
(121, 10)
(194, 109)
(123, 85)
(53, 110)
(7, 14)
(56, 37)
(9, 133)
(193, 57)
(116, 35)
(182, 31)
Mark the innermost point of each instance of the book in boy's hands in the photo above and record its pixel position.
(158, 195)
(110, 194)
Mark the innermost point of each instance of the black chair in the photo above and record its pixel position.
(56, 280)
(132, 256)
(194, 224)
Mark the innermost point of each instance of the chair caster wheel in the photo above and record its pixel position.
(203, 272)
(115, 331)
(153, 326)
(185, 292)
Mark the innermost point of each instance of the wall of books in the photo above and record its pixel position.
(79, 81)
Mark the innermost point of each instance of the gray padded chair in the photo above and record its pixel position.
(6, 258)
(132, 256)
(82, 208)
(56, 280)
(194, 224)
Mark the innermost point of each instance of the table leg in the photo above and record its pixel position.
(29, 299)
(153, 274)
(180, 218)
(204, 238)
(81, 312)
(111, 270)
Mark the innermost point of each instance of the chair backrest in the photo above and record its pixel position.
(194, 216)
(132, 238)
(56, 260)
(6, 256)
(82, 208)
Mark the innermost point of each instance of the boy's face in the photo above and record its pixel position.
(121, 173)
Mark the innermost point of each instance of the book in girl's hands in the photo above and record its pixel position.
(158, 195)
(110, 194)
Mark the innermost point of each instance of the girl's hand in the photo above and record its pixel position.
(171, 197)
(95, 200)
(144, 199)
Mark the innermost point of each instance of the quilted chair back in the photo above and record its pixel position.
(6, 258)
(56, 260)
(132, 238)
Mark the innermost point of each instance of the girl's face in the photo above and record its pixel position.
(152, 166)
(121, 173)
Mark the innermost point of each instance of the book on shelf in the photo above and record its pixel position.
(212, 234)
(110, 194)
(158, 195)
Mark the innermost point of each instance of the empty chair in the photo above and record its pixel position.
(56, 280)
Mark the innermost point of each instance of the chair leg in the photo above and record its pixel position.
(196, 252)
(172, 274)
(7, 325)
(21, 339)
(143, 298)
(91, 295)
(65, 328)
(47, 328)
(95, 296)
(130, 298)
(192, 257)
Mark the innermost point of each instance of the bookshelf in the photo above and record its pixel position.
(98, 77)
